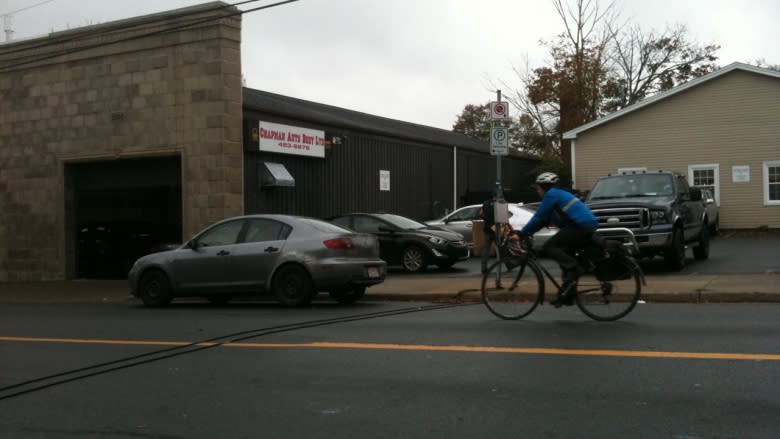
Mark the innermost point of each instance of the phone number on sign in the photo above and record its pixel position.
(294, 146)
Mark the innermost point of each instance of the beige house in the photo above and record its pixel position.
(722, 130)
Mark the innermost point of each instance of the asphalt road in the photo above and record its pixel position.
(112, 370)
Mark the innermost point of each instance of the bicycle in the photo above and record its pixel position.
(607, 291)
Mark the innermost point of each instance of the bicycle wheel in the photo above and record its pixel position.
(607, 301)
(512, 293)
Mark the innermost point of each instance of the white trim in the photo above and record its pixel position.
(454, 178)
(713, 166)
(572, 134)
(574, 165)
(767, 201)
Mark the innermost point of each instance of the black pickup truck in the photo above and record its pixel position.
(662, 210)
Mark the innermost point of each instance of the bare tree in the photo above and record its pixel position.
(646, 63)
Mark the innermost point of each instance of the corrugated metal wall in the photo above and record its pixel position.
(347, 179)
(477, 177)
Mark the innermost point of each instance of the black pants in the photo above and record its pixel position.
(490, 238)
(562, 245)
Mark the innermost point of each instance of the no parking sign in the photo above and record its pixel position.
(499, 110)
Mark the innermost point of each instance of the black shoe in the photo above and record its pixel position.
(566, 295)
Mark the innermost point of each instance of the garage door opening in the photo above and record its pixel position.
(121, 210)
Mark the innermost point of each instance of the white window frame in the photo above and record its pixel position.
(706, 167)
(767, 165)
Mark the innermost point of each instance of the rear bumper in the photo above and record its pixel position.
(332, 274)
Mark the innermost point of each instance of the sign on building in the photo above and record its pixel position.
(288, 139)
(740, 174)
(384, 180)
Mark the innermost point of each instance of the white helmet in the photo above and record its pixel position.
(547, 178)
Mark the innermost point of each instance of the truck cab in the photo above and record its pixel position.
(665, 214)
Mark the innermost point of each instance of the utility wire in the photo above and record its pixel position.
(100, 30)
(26, 8)
(145, 35)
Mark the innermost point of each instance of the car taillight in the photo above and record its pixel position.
(339, 243)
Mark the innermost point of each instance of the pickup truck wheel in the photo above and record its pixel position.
(702, 251)
(674, 256)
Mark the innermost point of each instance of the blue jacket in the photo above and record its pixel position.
(562, 209)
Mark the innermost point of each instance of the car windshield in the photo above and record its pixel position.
(634, 185)
(401, 222)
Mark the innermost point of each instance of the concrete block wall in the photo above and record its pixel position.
(71, 97)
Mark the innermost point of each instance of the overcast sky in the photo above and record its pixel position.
(420, 61)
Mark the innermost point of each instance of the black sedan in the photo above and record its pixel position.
(406, 242)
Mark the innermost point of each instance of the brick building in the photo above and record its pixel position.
(96, 123)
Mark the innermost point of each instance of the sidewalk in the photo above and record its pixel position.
(695, 288)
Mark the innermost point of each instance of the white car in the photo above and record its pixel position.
(461, 219)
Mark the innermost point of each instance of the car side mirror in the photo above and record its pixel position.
(192, 244)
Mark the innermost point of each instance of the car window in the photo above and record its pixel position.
(343, 221)
(467, 213)
(366, 224)
(261, 229)
(222, 234)
(326, 227)
(401, 222)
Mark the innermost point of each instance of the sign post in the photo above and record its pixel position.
(499, 145)
(499, 137)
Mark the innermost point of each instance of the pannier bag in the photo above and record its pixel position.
(614, 267)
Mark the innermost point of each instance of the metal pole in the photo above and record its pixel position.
(499, 188)
(499, 197)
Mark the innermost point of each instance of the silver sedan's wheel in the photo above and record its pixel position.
(414, 259)
(154, 289)
(292, 286)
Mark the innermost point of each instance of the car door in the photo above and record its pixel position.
(262, 244)
(461, 221)
(389, 246)
(208, 264)
(691, 211)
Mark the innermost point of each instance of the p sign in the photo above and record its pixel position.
(499, 141)
(499, 110)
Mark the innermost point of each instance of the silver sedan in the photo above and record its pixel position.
(291, 257)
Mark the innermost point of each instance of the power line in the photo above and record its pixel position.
(145, 35)
(26, 8)
(8, 17)
(86, 34)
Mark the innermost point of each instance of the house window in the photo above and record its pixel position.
(706, 177)
(772, 183)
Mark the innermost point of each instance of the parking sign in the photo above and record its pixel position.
(499, 141)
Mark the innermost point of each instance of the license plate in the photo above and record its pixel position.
(373, 272)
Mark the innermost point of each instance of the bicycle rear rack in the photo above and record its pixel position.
(622, 234)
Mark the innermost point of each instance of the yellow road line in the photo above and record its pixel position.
(402, 347)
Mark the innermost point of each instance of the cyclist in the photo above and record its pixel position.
(576, 224)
